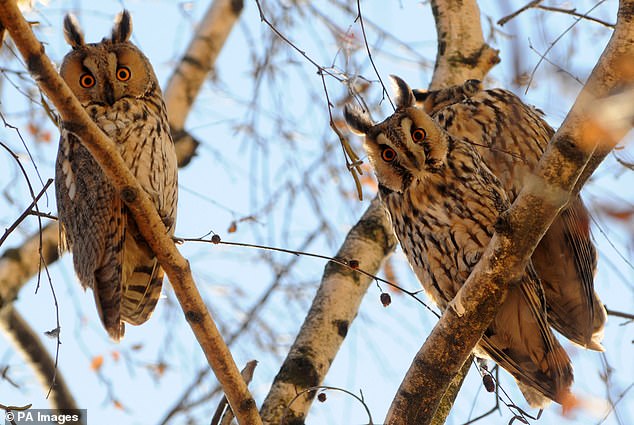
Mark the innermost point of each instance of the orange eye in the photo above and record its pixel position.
(388, 154)
(419, 135)
(86, 81)
(123, 73)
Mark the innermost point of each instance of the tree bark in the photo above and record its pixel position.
(584, 137)
(326, 325)
(149, 223)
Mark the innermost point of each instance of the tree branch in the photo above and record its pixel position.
(462, 53)
(334, 308)
(581, 140)
(35, 353)
(199, 58)
(150, 225)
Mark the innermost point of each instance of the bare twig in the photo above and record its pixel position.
(537, 4)
(573, 12)
(225, 419)
(314, 389)
(35, 353)
(351, 264)
(522, 9)
(620, 314)
(554, 42)
(367, 48)
(28, 211)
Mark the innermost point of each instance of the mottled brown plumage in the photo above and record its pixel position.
(511, 137)
(116, 85)
(443, 202)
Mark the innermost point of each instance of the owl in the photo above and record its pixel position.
(511, 137)
(116, 85)
(443, 202)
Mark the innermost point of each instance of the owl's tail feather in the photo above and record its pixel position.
(520, 340)
(107, 292)
(141, 292)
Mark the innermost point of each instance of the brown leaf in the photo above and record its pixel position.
(232, 227)
(96, 363)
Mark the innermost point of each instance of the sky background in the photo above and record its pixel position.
(267, 153)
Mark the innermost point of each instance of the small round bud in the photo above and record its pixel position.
(487, 380)
(386, 299)
(215, 239)
(354, 264)
(321, 397)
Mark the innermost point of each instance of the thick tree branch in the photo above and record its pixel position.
(199, 58)
(334, 308)
(192, 70)
(560, 174)
(462, 53)
(150, 225)
(31, 348)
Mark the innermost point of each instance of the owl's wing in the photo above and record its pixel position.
(92, 225)
(576, 311)
(511, 137)
(107, 290)
(520, 340)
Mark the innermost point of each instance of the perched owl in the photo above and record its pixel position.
(511, 137)
(443, 202)
(116, 85)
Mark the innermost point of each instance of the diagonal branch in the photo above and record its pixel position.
(150, 225)
(35, 353)
(587, 133)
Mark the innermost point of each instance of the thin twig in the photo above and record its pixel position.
(574, 12)
(351, 264)
(28, 211)
(550, 47)
(223, 405)
(507, 18)
(541, 55)
(367, 47)
(620, 314)
(360, 398)
(353, 163)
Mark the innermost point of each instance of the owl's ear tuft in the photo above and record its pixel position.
(72, 31)
(404, 95)
(122, 29)
(359, 121)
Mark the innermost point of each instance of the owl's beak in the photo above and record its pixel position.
(109, 94)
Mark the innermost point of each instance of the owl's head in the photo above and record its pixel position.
(105, 72)
(409, 145)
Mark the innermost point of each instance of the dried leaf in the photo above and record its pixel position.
(232, 227)
(96, 363)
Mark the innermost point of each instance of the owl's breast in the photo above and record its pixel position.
(126, 119)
